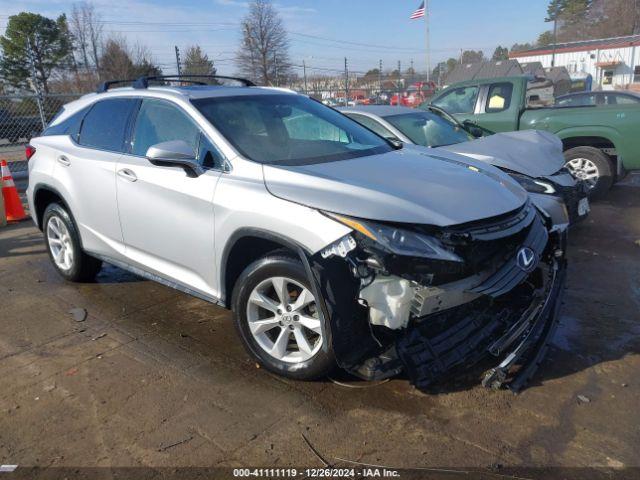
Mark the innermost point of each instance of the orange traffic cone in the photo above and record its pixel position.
(12, 203)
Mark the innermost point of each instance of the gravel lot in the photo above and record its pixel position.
(156, 378)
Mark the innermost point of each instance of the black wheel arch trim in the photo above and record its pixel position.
(303, 253)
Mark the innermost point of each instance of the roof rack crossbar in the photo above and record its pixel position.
(104, 86)
(143, 82)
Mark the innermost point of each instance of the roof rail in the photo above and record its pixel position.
(143, 82)
(104, 86)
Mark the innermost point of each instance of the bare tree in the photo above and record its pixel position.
(263, 55)
(86, 29)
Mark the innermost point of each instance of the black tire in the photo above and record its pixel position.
(602, 162)
(84, 268)
(275, 265)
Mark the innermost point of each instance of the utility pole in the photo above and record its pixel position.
(427, 13)
(555, 35)
(380, 78)
(399, 77)
(36, 84)
(346, 82)
(304, 70)
(178, 61)
(275, 62)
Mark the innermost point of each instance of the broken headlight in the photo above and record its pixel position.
(399, 241)
(533, 185)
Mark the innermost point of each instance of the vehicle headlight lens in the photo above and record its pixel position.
(533, 185)
(398, 240)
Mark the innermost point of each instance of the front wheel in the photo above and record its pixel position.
(277, 317)
(593, 167)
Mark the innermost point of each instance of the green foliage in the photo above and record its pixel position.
(196, 62)
(50, 43)
(472, 56)
(500, 53)
(546, 38)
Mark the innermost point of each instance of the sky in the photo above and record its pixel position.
(322, 32)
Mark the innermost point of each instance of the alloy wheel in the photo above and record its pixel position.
(283, 319)
(60, 243)
(585, 170)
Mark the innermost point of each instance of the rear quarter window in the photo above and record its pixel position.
(105, 126)
(69, 126)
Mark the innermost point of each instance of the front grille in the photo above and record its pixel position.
(490, 243)
(510, 274)
(571, 197)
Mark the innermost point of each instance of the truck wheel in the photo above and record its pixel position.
(593, 166)
(64, 248)
(276, 315)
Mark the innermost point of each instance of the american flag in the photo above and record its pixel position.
(419, 13)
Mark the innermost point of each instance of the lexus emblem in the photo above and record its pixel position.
(526, 259)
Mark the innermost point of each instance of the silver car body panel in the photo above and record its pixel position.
(408, 186)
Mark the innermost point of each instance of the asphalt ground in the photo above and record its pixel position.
(156, 380)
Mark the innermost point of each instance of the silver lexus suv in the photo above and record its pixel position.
(331, 245)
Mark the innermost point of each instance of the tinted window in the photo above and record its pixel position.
(613, 99)
(428, 129)
(288, 129)
(499, 97)
(459, 100)
(105, 125)
(160, 121)
(577, 100)
(208, 155)
(69, 126)
(371, 124)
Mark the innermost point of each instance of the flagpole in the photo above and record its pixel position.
(426, 19)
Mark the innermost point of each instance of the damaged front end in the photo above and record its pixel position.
(435, 301)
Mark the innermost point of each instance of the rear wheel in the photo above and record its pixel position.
(592, 166)
(64, 246)
(276, 315)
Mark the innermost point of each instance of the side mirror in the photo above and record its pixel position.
(175, 153)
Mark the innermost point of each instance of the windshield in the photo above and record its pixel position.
(428, 129)
(288, 129)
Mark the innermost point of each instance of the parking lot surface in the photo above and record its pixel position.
(153, 377)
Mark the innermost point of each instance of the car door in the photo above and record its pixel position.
(166, 212)
(497, 110)
(85, 170)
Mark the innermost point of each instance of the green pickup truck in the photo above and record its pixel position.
(600, 142)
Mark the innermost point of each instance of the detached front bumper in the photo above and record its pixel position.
(510, 329)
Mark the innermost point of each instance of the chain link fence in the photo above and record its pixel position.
(22, 117)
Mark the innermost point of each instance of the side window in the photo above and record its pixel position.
(625, 99)
(70, 126)
(105, 125)
(371, 124)
(208, 155)
(459, 100)
(499, 97)
(160, 121)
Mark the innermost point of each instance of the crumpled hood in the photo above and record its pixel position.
(411, 185)
(530, 152)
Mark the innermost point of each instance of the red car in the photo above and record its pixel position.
(415, 95)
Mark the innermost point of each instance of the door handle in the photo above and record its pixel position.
(62, 160)
(127, 175)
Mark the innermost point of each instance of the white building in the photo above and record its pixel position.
(612, 62)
